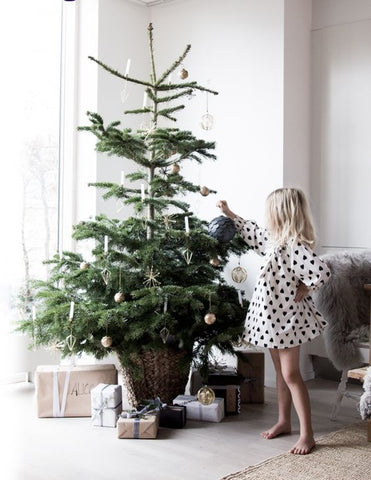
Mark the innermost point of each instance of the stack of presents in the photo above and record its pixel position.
(93, 391)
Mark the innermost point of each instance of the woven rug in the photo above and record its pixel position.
(341, 455)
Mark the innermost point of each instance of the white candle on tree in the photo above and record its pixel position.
(128, 63)
(105, 244)
(186, 221)
(122, 180)
(72, 309)
(145, 99)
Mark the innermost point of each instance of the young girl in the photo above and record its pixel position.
(281, 314)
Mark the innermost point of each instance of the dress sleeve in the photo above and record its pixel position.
(253, 235)
(308, 267)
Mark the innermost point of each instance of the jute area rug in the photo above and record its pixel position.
(341, 455)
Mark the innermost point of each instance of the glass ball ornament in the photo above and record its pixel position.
(206, 395)
(204, 191)
(119, 297)
(207, 121)
(215, 262)
(106, 341)
(239, 274)
(175, 168)
(210, 318)
(222, 228)
(84, 265)
(183, 73)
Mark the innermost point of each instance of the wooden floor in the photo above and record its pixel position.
(71, 449)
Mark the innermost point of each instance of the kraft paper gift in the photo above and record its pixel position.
(64, 391)
(106, 404)
(142, 426)
(196, 411)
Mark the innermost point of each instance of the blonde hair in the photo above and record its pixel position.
(288, 217)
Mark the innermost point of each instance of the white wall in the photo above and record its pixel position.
(341, 115)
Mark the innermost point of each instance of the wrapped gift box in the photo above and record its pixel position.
(196, 411)
(231, 395)
(64, 391)
(139, 426)
(173, 416)
(106, 404)
(252, 372)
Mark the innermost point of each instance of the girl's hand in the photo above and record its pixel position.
(301, 292)
(223, 205)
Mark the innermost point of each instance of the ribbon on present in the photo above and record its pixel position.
(59, 408)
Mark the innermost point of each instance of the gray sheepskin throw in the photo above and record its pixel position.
(345, 306)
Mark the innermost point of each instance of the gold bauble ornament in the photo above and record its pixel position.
(215, 262)
(239, 274)
(205, 191)
(175, 168)
(209, 318)
(119, 297)
(106, 341)
(84, 265)
(206, 395)
(183, 73)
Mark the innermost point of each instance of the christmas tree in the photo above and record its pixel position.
(154, 293)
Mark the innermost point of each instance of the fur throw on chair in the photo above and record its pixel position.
(345, 305)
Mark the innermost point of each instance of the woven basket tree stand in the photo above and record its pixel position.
(161, 376)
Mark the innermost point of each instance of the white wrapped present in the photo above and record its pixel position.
(197, 411)
(106, 404)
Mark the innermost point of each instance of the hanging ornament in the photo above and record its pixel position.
(187, 255)
(204, 191)
(239, 274)
(207, 120)
(210, 318)
(222, 228)
(106, 341)
(151, 278)
(206, 395)
(56, 346)
(183, 73)
(119, 297)
(167, 221)
(84, 265)
(175, 168)
(215, 262)
(164, 334)
(70, 342)
(106, 275)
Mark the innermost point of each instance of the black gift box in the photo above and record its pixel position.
(173, 416)
(225, 376)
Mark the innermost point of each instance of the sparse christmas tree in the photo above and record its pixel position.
(154, 294)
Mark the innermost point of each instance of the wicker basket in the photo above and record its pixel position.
(162, 376)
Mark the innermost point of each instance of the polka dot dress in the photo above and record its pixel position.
(274, 319)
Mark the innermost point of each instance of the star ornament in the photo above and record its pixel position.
(151, 278)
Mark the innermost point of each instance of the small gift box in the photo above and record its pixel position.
(173, 416)
(197, 411)
(231, 395)
(142, 424)
(106, 404)
(64, 391)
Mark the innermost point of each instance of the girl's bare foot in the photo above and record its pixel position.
(277, 429)
(303, 446)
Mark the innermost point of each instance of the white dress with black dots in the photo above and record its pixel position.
(274, 319)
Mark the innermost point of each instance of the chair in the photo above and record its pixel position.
(356, 373)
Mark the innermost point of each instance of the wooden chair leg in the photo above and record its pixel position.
(340, 394)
